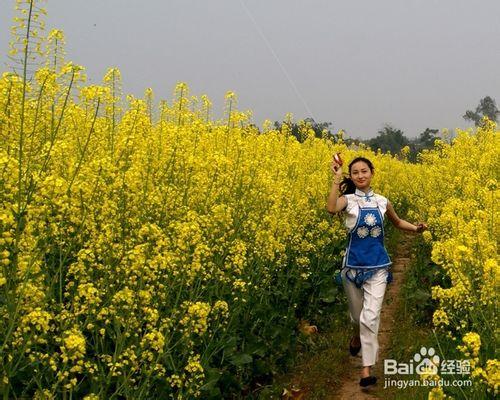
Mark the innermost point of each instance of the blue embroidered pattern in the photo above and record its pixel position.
(366, 253)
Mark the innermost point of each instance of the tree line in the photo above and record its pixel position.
(391, 139)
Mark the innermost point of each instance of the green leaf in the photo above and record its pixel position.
(257, 348)
(241, 359)
(210, 389)
(329, 295)
(420, 295)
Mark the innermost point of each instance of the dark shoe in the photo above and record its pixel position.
(353, 349)
(369, 380)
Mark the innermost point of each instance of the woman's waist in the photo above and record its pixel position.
(367, 267)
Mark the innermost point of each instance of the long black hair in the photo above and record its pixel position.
(347, 185)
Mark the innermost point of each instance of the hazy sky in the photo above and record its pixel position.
(358, 64)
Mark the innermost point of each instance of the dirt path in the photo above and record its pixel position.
(350, 388)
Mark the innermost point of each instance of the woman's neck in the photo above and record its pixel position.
(366, 190)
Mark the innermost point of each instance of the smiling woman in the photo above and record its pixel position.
(365, 273)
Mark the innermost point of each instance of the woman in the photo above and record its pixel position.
(365, 271)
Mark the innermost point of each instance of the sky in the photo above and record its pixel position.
(413, 64)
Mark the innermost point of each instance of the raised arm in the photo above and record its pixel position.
(401, 223)
(335, 204)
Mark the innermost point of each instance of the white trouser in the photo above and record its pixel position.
(365, 305)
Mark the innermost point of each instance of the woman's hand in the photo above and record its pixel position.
(336, 167)
(421, 226)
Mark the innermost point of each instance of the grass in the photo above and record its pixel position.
(320, 361)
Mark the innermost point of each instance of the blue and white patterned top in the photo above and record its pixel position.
(365, 253)
(366, 248)
(362, 199)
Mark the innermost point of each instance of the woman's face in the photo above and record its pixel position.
(361, 175)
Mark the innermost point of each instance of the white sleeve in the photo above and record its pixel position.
(382, 203)
(346, 203)
(351, 212)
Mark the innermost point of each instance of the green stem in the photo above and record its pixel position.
(19, 215)
(180, 107)
(80, 161)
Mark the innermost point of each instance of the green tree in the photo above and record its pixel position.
(389, 139)
(424, 141)
(426, 138)
(317, 127)
(487, 108)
